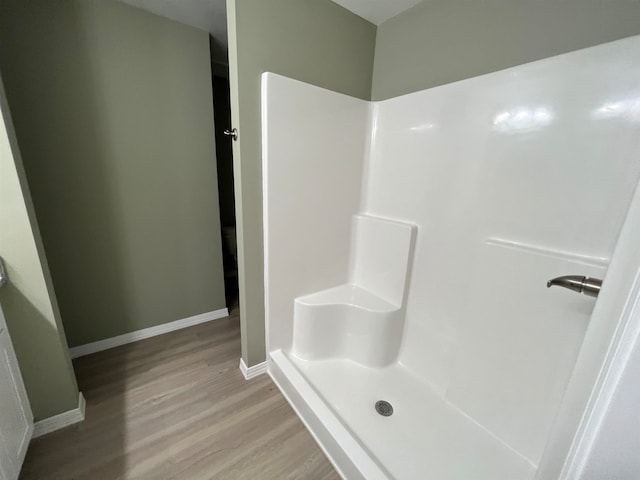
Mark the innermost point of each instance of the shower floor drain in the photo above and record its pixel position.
(384, 408)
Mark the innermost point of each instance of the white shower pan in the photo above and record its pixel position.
(408, 244)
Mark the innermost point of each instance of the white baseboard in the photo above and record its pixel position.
(61, 420)
(131, 337)
(250, 372)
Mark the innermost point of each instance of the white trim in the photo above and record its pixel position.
(61, 420)
(264, 83)
(605, 389)
(250, 372)
(131, 337)
(619, 299)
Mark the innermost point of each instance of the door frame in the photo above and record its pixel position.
(605, 352)
(21, 393)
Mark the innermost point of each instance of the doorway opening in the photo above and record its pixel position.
(226, 193)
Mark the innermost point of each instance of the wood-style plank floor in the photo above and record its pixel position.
(177, 407)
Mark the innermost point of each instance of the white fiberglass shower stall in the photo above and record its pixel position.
(408, 245)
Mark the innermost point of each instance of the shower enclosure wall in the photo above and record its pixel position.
(408, 244)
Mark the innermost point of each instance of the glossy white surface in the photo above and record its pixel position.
(381, 254)
(314, 144)
(362, 320)
(512, 178)
(347, 454)
(518, 345)
(346, 322)
(560, 182)
(595, 434)
(616, 449)
(425, 437)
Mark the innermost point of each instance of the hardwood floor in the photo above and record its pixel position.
(177, 407)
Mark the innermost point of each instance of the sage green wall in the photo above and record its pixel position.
(441, 41)
(315, 41)
(28, 301)
(113, 112)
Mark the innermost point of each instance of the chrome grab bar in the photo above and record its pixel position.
(585, 285)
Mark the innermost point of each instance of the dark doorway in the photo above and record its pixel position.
(224, 156)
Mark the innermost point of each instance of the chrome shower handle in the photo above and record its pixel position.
(581, 284)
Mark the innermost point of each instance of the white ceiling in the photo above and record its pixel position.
(211, 15)
(208, 15)
(377, 11)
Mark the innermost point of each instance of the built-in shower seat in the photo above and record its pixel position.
(363, 319)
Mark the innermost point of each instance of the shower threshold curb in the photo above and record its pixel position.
(346, 454)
